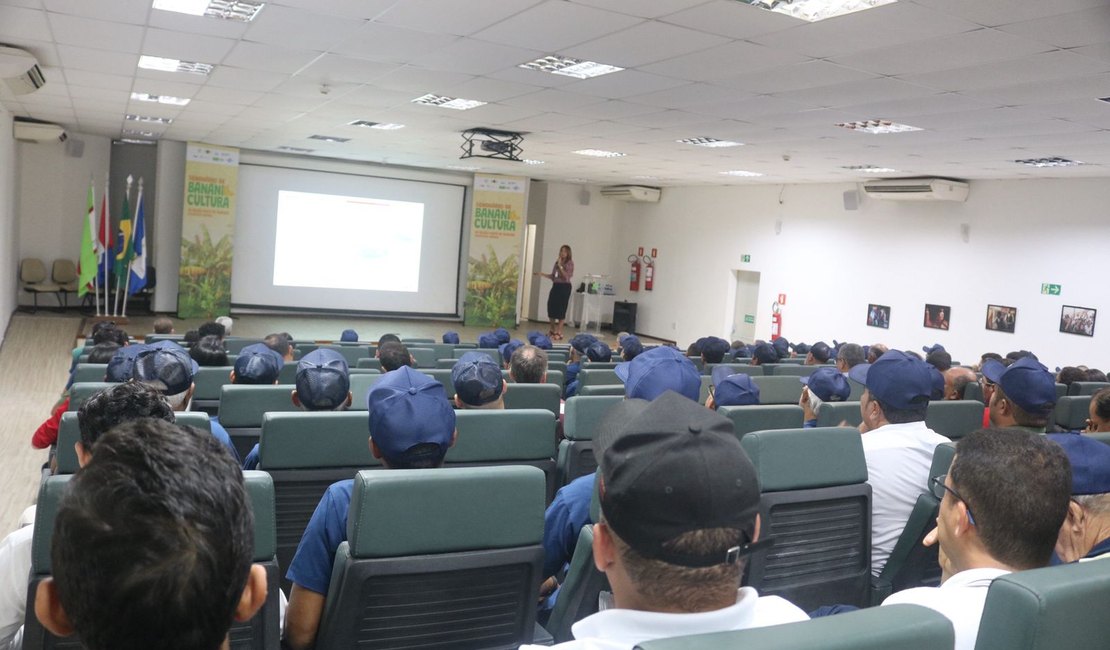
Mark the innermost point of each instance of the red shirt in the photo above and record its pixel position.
(47, 433)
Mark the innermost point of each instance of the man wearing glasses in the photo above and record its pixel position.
(1001, 507)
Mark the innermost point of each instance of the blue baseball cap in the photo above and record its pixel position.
(1090, 462)
(582, 341)
(929, 349)
(733, 389)
(171, 366)
(800, 348)
(899, 380)
(714, 345)
(658, 370)
(409, 408)
(599, 351)
(542, 342)
(1026, 382)
(828, 384)
(488, 340)
(502, 335)
(122, 364)
(764, 353)
(451, 336)
(781, 346)
(532, 335)
(477, 379)
(631, 347)
(323, 380)
(507, 349)
(820, 351)
(257, 364)
(349, 336)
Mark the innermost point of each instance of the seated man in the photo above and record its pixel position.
(393, 355)
(47, 433)
(411, 427)
(956, 380)
(506, 350)
(1085, 534)
(1024, 394)
(818, 354)
(764, 353)
(849, 355)
(1002, 503)
(713, 349)
(822, 385)
(281, 343)
(478, 382)
(731, 389)
(163, 325)
(896, 443)
(257, 365)
(152, 545)
(679, 513)
(596, 352)
(630, 347)
(528, 365)
(209, 351)
(99, 413)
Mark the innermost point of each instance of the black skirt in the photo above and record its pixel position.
(557, 300)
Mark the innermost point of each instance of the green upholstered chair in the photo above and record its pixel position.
(1056, 607)
(1061, 390)
(235, 344)
(857, 390)
(443, 376)
(557, 355)
(604, 390)
(954, 418)
(778, 390)
(554, 377)
(416, 340)
(493, 353)
(879, 628)
(352, 353)
(154, 338)
(832, 414)
(263, 630)
(816, 506)
(1072, 411)
(554, 364)
(1087, 387)
(208, 383)
(425, 357)
(790, 370)
(506, 437)
(591, 375)
(580, 422)
(360, 386)
(445, 557)
(80, 391)
(974, 391)
(368, 362)
(242, 408)
(69, 432)
(35, 637)
(734, 368)
(89, 372)
(911, 564)
(534, 396)
(758, 417)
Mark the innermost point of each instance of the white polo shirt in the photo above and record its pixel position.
(898, 460)
(15, 573)
(622, 629)
(961, 599)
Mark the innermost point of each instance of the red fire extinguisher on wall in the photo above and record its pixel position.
(776, 321)
(649, 273)
(634, 276)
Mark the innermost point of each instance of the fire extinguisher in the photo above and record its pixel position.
(776, 321)
(649, 273)
(634, 276)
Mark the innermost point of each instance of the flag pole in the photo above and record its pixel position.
(131, 247)
(103, 237)
(123, 251)
(96, 244)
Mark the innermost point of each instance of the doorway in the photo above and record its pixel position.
(747, 302)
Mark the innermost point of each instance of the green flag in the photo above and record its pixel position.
(86, 263)
(124, 250)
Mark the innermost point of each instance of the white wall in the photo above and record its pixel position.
(53, 189)
(9, 225)
(831, 263)
(168, 210)
(587, 229)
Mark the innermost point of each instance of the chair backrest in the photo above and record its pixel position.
(788, 370)
(974, 391)
(69, 432)
(816, 505)
(778, 390)
(578, 593)
(493, 353)
(591, 376)
(605, 389)
(85, 372)
(534, 396)
(32, 270)
(1086, 387)
(209, 382)
(445, 557)
(369, 362)
(831, 414)
(425, 357)
(506, 437)
(758, 417)
(954, 418)
(1056, 607)
(235, 344)
(857, 390)
(263, 630)
(443, 376)
(1072, 411)
(63, 271)
(35, 636)
(877, 628)
(352, 353)
(583, 414)
(80, 391)
(1061, 390)
(554, 377)
(735, 368)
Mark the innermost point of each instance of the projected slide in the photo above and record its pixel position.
(328, 241)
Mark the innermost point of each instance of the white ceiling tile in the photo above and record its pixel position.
(1031, 69)
(171, 88)
(732, 19)
(46, 53)
(174, 21)
(1089, 86)
(277, 25)
(91, 79)
(1075, 29)
(269, 58)
(450, 16)
(1001, 12)
(499, 114)
(334, 68)
(752, 108)
(420, 81)
(547, 122)
(78, 92)
(81, 58)
(793, 77)
(896, 109)
(982, 45)
(289, 102)
(610, 110)
(642, 8)
(186, 46)
(371, 96)
(95, 34)
(202, 107)
(1100, 51)
(552, 100)
(723, 61)
(625, 84)
(379, 42)
(144, 74)
(19, 23)
(225, 76)
(489, 90)
(645, 43)
(855, 92)
(554, 25)
(666, 119)
(476, 57)
(689, 95)
(227, 95)
(120, 11)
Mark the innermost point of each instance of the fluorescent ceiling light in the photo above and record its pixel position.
(869, 169)
(383, 126)
(138, 134)
(464, 168)
(599, 153)
(173, 65)
(878, 127)
(712, 143)
(569, 67)
(147, 119)
(328, 138)
(295, 149)
(135, 141)
(741, 173)
(815, 10)
(160, 99)
(1054, 161)
(646, 178)
(529, 161)
(448, 102)
(238, 10)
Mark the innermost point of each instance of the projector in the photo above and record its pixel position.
(20, 70)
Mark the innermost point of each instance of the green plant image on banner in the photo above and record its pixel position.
(204, 287)
(491, 290)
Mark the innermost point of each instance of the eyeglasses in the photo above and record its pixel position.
(938, 488)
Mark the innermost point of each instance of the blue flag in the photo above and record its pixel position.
(138, 250)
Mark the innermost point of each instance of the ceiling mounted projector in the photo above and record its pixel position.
(20, 70)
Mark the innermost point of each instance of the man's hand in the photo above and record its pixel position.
(946, 569)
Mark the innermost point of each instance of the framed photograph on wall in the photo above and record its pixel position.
(1001, 318)
(878, 316)
(1077, 320)
(936, 316)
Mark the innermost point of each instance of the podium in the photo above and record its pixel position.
(591, 306)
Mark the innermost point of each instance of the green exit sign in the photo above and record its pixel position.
(745, 258)
(1050, 289)
(749, 318)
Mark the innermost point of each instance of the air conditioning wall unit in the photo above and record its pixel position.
(20, 70)
(35, 131)
(635, 193)
(917, 189)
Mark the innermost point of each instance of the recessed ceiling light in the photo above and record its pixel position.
(815, 10)
(238, 10)
(295, 149)
(463, 168)
(742, 173)
(710, 142)
(134, 141)
(383, 126)
(448, 102)
(1055, 161)
(599, 153)
(146, 119)
(160, 99)
(878, 126)
(328, 138)
(579, 180)
(528, 161)
(569, 67)
(174, 65)
(869, 169)
(646, 178)
(138, 134)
